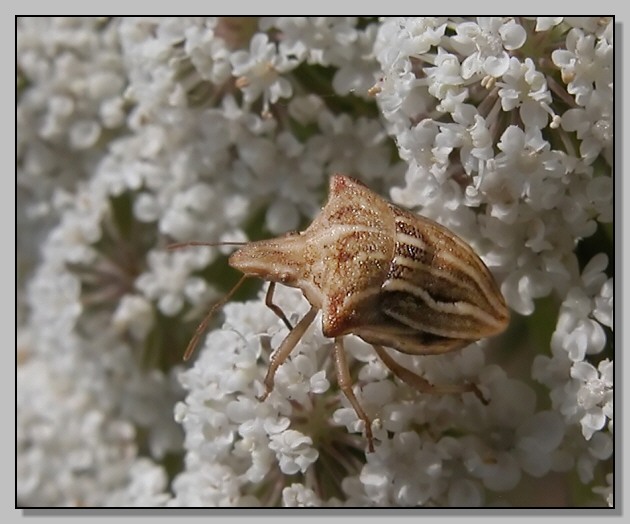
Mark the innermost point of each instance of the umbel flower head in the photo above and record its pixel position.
(134, 133)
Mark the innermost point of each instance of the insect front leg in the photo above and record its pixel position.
(283, 352)
(276, 309)
(345, 384)
(421, 384)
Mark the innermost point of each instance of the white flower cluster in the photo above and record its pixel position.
(236, 444)
(70, 81)
(514, 150)
(587, 396)
(72, 77)
(133, 133)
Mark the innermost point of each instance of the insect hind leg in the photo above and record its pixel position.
(421, 384)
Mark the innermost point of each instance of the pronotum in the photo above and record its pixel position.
(384, 274)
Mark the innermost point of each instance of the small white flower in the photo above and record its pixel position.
(470, 136)
(607, 491)
(604, 303)
(518, 438)
(293, 451)
(423, 33)
(544, 23)
(404, 471)
(259, 71)
(576, 332)
(524, 87)
(168, 280)
(585, 64)
(445, 79)
(84, 134)
(282, 216)
(146, 208)
(523, 285)
(357, 73)
(147, 487)
(319, 383)
(208, 52)
(593, 125)
(486, 43)
(134, 313)
(299, 496)
(595, 396)
(317, 40)
(465, 493)
(305, 109)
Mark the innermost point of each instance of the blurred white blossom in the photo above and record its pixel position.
(135, 133)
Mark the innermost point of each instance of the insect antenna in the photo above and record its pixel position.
(203, 325)
(192, 345)
(179, 245)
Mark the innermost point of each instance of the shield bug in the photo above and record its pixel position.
(391, 277)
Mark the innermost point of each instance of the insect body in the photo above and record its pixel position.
(381, 273)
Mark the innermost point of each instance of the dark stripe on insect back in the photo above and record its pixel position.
(438, 286)
(445, 283)
(407, 228)
(414, 249)
(430, 233)
(465, 266)
(416, 312)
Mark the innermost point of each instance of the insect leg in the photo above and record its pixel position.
(345, 384)
(288, 344)
(276, 309)
(421, 384)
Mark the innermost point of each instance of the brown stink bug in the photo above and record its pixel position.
(384, 274)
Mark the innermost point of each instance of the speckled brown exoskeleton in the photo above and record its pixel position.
(391, 277)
